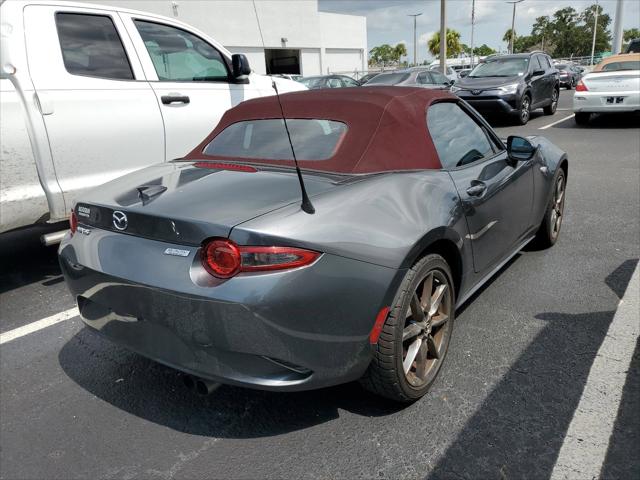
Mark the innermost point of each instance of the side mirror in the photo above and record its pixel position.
(450, 82)
(537, 73)
(520, 149)
(240, 65)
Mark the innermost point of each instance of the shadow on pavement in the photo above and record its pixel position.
(519, 429)
(26, 260)
(156, 393)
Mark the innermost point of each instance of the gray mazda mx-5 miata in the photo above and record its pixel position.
(213, 264)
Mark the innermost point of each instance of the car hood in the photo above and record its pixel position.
(181, 202)
(486, 82)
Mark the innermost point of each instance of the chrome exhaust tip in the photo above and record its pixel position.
(53, 238)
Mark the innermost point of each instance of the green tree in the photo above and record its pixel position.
(543, 31)
(453, 43)
(381, 54)
(585, 35)
(483, 50)
(630, 34)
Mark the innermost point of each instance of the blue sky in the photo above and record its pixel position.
(387, 20)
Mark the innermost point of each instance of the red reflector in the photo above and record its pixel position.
(225, 166)
(377, 326)
(223, 259)
(581, 87)
(73, 222)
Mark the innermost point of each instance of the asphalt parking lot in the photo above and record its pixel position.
(522, 393)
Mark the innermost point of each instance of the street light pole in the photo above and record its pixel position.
(473, 19)
(443, 37)
(415, 48)
(595, 29)
(617, 29)
(513, 23)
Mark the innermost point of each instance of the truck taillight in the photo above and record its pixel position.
(581, 87)
(222, 258)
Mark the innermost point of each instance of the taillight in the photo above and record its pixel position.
(221, 258)
(224, 259)
(581, 87)
(73, 222)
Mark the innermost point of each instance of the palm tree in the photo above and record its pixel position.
(453, 43)
(399, 51)
(507, 38)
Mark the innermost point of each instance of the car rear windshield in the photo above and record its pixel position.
(313, 139)
(501, 67)
(388, 79)
(626, 65)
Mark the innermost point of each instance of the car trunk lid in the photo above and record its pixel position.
(615, 81)
(186, 202)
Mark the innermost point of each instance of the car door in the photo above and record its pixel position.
(100, 113)
(497, 196)
(538, 81)
(191, 78)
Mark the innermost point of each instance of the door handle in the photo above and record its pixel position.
(477, 189)
(169, 99)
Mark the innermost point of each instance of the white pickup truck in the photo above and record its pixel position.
(89, 93)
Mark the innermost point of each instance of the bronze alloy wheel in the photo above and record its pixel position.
(427, 328)
(555, 219)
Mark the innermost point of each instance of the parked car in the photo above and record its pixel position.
(464, 72)
(329, 81)
(613, 86)
(212, 265)
(288, 76)
(90, 93)
(513, 85)
(449, 72)
(568, 75)
(412, 77)
(365, 78)
(634, 46)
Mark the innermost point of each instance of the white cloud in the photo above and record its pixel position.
(424, 38)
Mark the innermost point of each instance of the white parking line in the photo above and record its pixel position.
(39, 325)
(585, 445)
(557, 122)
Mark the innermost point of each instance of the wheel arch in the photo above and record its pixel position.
(445, 242)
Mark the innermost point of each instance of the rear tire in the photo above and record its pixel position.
(582, 118)
(551, 109)
(415, 336)
(549, 230)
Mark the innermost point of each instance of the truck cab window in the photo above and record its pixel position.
(179, 56)
(92, 47)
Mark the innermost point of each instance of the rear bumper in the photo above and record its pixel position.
(297, 330)
(596, 102)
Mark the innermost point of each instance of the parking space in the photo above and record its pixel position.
(523, 363)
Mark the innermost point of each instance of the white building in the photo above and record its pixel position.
(297, 37)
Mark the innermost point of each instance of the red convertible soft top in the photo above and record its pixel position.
(387, 128)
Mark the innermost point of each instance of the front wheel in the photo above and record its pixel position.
(553, 106)
(415, 336)
(550, 228)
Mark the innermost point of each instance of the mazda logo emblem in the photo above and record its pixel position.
(120, 220)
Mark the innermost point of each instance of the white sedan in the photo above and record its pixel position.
(613, 86)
